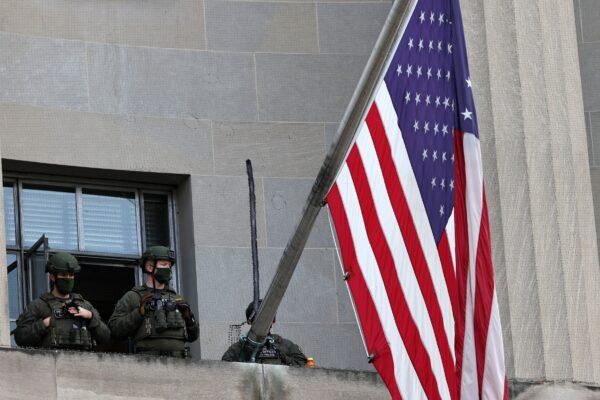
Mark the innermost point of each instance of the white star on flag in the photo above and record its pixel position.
(467, 114)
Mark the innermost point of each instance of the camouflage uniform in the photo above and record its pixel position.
(150, 333)
(278, 351)
(65, 331)
(159, 321)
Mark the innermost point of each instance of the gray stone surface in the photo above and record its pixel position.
(171, 83)
(284, 202)
(262, 27)
(593, 128)
(345, 308)
(106, 140)
(331, 345)
(159, 23)
(306, 88)
(295, 383)
(350, 27)
(64, 375)
(186, 251)
(43, 72)
(311, 296)
(558, 392)
(122, 377)
(276, 149)
(330, 132)
(27, 368)
(221, 211)
(224, 283)
(590, 75)
(590, 17)
(577, 7)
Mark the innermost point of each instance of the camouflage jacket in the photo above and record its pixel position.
(126, 320)
(31, 332)
(280, 351)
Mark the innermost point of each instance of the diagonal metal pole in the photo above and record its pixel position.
(361, 99)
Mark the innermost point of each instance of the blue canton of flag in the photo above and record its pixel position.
(431, 104)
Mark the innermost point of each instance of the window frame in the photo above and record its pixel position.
(19, 180)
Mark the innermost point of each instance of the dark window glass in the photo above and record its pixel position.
(50, 211)
(156, 218)
(9, 215)
(110, 222)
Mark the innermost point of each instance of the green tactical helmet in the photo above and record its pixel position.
(156, 253)
(62, 262)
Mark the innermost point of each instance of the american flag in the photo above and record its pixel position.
(410, 214)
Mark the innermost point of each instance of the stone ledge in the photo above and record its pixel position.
(26, 373)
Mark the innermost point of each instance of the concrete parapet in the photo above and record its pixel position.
(35, 374)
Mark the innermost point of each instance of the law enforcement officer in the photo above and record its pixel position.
(154, 316)
(276, 350)
(61, 319)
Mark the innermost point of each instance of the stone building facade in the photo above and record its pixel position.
(175, 95)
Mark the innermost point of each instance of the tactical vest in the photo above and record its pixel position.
(163, 327)
(66, 331)
(269, 354)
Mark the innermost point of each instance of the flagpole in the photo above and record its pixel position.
(339, 257)
(361, 99)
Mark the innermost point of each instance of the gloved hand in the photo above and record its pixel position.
(185, 309)
(144, 302)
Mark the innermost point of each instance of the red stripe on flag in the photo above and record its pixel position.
(484, 292)
(462, 249)
(402, 313)
(413, 243)
(368, 318)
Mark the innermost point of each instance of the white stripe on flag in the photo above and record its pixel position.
(417, 208)
(404, 269)
(474, 205)
(494, 374)
(406, 376)
(451, 235)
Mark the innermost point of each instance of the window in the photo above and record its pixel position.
(106, 227)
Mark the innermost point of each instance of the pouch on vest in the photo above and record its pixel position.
(175, 320)
(67, 332)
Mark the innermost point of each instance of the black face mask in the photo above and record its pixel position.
(163, 275)
(65, 285)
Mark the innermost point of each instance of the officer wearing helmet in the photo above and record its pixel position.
(154, 316)
(61, 319)
(276, 350)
